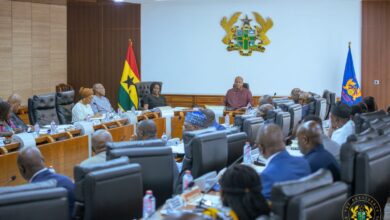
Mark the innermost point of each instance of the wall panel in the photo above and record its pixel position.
(98, 34)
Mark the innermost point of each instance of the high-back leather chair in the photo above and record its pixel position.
(362, 121)
(368, 134)
(251, 127)
(326, 96)
(64, 105)
(133, 144)
(311, 197)
(283, 119)
(62, 87)
(235, 144)
(365, 166)
(296, 115)
(159, 170)
(41, 200)
(209, 153)
(320, 108)
(143, 89)
(110, 190)
(42, 109)
(239, 120)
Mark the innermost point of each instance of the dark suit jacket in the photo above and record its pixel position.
(283, 167)
(62, 181)
(319, 158)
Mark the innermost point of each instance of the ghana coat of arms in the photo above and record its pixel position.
(246, 38)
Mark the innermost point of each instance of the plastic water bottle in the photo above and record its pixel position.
(53, 127)
(187, 178)
(164, 138)
(2, 139)
(37, 129)
(247, 158)
(149, 204)
(227, 120)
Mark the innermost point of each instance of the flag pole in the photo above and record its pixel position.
(131, 42)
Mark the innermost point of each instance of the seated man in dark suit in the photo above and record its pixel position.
(280, 166)
(15, 101)
(32, 168)
(310, 144)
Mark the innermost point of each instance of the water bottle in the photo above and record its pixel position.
(149, 204)
(187, 178)
(164, 138)
(2, 139)
(37, 129)
(227, 120)
(53, 127)
(247, 158)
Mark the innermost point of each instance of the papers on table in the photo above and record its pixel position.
(178, 149)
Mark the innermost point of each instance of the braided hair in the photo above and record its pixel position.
(241, 191)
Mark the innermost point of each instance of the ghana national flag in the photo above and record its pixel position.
(127, 94)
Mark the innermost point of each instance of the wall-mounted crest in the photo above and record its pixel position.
(246, 38)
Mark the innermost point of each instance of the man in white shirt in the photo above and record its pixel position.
(341, 125)
(100, 103)
(99, 140)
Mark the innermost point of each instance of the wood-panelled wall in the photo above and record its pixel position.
(376, 50)
(98, 34)
(32, 48)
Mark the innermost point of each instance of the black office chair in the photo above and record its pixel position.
(320, 108)
(296, 115)
(110, 190)
(251, 127)
(133, 144)
(364, 166)
(368, 134)
(159, 170)
(64, 105)
(235, 144)
(42, 109)
(311, 197)
(283, 119)
(41, 200)
(239, 120)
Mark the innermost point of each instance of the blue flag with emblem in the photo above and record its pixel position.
(350, 93)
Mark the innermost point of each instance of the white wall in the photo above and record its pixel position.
(181, 45)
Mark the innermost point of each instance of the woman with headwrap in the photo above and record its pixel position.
(82, 110)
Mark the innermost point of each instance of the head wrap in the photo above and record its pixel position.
(196, 118)
(85, 92)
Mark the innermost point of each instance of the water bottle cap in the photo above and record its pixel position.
(188, 171)
(149, 192)
(247, 142)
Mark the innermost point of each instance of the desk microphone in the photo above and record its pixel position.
(11, 179)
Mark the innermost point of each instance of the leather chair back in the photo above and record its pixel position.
(362, 121)
(283, 119)
(251, 127)
(239, 120)
(326, 96)
(309, 197)
(111, 190)
(157, 165)
(235, 143)
(42, 109)
(41, 200)
(365, 135)
(209, 153)
(348, 154)
(64, 105)
(133, 144)
(372, 173)
(143, 89)
(320, 108)
(296, 115)
(364, 166)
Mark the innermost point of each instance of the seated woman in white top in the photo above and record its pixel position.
(82, 110)
(341, 125)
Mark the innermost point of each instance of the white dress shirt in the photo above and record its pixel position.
(340, 135)
(81, 111)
